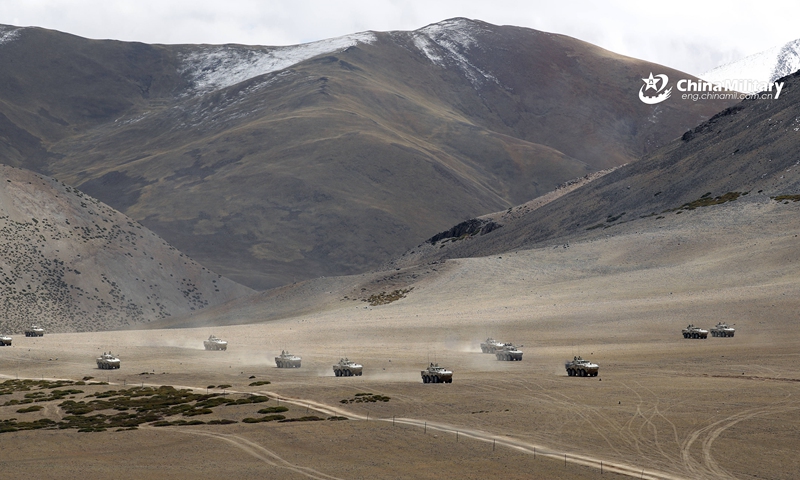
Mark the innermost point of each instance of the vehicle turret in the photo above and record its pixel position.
(34, 331)
(214, 343)
(508, 353)
(491, 345)
(436, 374)
(578, 367)
(287, 360)
(347, 368)
(722, 329)
(694, 332)
(107, 361)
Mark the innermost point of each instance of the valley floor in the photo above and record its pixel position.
(662, 406)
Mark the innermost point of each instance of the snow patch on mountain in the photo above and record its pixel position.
(8, 34)
(448, 44)
(767, 66)
(214, 67)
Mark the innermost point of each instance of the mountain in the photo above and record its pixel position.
(744, 154)
(276, 164)
(767, 66)
(71, 263)
(720, 199)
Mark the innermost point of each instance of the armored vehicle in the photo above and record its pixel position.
(214, 343)
(491, 345)
(578, 367)
(694, 332)
(34, 331)
(287, 360)
(508, 353)
(436, 374)
(722, 330)
(106, 361)
(346, 368)
(5, 340)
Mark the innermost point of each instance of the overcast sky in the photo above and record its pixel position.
(692, 36)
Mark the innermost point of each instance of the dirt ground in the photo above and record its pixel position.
(662, 406)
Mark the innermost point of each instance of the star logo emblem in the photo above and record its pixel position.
(657, 83)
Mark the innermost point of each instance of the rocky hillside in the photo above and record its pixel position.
(69, 262)
(276, 164)
(745, 153)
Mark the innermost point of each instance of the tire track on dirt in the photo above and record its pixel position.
(267, 456)
(519, 445)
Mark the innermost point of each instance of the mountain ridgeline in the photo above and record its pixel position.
(745, 153)
(270, 165)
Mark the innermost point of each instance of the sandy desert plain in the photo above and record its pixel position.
(662, 406)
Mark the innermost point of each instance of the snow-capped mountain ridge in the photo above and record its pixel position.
(764, 67)
(214, 67)
(8, 33)
(445, 44)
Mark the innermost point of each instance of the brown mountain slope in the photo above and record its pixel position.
(71, 263)
(746, 153)
(277, 164)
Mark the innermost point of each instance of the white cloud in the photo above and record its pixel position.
(691, 36)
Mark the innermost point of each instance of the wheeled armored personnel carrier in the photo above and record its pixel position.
(34, 331)
(722, 329)
(436, 374)
(694, 332)
(106, 361)
(347, 368)
(214, 343)
(508, 353)
(5, 341)
(491, 345)
(287, 360)
(578, 367)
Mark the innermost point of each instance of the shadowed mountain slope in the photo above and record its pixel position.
(746, 153)
(275, 164)
(71, 263)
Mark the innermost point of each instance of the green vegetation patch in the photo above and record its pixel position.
(133, 406)
(260, 382)
(786, 198)
(365, 398)
(10, 386)
(32, 408)
(278, 409)
(384, 298)
(268, 418)
(307, 418)
(707, 200)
